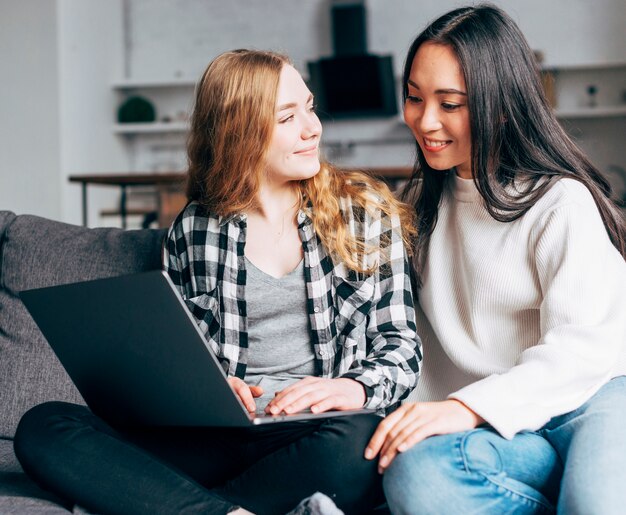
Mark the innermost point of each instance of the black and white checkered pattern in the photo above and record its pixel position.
(363, 325)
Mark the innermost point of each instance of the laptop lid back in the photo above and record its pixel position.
(128, 345)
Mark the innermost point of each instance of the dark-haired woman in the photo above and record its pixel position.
(298, 276)
(522, 292)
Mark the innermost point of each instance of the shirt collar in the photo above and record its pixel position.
(235, 218)
(303, 218)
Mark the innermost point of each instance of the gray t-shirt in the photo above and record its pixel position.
(280, 350)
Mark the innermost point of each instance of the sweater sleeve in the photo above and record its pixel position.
(582, 324)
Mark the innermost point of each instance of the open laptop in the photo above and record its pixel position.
(137, 356)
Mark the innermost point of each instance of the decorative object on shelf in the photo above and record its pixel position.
(592, 99)
(547, 79)
(182, 116)
(592, 91)
(136, 109)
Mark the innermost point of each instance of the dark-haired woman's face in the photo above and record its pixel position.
(436, 109)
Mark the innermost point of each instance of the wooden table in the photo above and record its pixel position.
(170, 188)
(163, 181)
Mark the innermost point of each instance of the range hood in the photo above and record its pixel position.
(352, 83)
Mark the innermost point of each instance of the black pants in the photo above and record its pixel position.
(266, 469)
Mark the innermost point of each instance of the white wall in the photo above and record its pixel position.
(29, 108)
(91, 53)
(567, 31)
(170, 39)
(56, 110)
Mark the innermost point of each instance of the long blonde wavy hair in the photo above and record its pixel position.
(231, 130)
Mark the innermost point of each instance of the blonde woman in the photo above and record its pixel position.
(298, 277)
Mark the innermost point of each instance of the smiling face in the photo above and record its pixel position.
(436, 109)
(293, 153)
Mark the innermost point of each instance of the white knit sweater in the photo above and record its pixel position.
(521, 321)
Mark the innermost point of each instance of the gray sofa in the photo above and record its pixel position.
(36, 252)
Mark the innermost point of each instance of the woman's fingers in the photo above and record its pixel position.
(411, 434)
(380, 435)
(256, 391)
(423, 420)
(327, 403)
(243, 392)
(299, 397)
(411, 418)
(319, 394)
(246, 397)
(293, 388)
(342, 393)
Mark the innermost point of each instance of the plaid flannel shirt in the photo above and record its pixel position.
(362, 326)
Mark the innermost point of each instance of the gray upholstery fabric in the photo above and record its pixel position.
(18, 494)
(15, 505)
(36, 252)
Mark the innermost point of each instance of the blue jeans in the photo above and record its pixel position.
(575, 464)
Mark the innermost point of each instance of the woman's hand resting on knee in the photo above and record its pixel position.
(413, 422)
(319, 394)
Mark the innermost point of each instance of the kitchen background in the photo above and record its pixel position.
(67, 66)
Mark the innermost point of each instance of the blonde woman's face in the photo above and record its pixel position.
(293, 153)
(436, 109)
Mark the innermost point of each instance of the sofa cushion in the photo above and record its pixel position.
(36, 252)
(19, 494)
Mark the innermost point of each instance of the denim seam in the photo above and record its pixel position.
(460, 445)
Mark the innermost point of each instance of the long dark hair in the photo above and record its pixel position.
(514, 133)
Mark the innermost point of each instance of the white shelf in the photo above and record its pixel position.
(150, 127)
(127, 84)
(593, 112)
(582, 67)
(182, 127)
